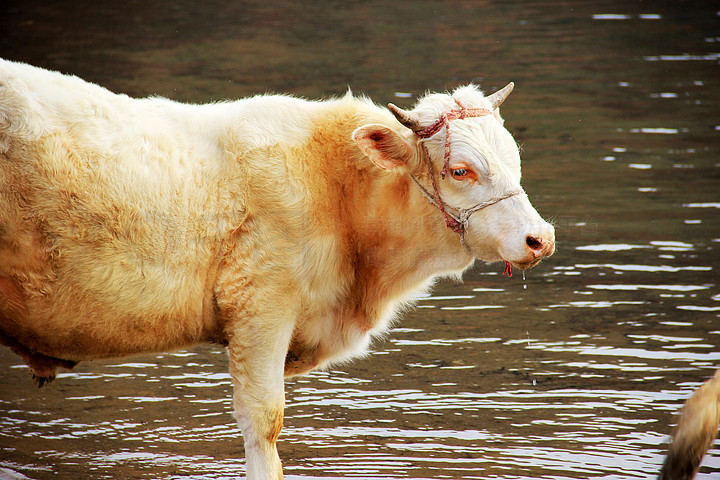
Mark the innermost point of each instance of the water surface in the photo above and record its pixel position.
(575, 372)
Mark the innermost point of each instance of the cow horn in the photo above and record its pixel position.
(497, 98)
(408, 119)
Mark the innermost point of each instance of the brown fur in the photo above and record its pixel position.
(696, 430)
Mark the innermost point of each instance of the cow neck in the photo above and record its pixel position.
(456, 219)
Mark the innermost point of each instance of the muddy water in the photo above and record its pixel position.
(575, 371)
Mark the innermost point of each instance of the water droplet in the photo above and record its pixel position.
(524, 284)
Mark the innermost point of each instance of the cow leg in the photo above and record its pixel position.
(257, 356)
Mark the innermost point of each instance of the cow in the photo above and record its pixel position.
(289, 231)
(695, 432)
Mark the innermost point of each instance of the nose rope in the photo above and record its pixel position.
(458, 223)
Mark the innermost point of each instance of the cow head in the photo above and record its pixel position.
(466, 163)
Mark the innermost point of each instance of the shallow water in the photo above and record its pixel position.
(574, 372)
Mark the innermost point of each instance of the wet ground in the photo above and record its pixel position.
(574, 372)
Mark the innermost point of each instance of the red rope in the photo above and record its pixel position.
(507, 271)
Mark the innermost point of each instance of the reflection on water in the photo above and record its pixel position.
(578, 375)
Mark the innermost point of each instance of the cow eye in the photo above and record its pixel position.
(459, 172)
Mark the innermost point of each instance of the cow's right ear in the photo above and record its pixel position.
(384, 146)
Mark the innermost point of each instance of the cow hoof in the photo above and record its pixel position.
(43, 380)
(43, 367)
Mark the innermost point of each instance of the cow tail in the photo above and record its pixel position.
(695, 432)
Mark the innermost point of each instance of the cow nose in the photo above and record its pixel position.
(533, 243)
(540, 247)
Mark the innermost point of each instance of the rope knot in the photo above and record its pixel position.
(463, 109)
(454, 225)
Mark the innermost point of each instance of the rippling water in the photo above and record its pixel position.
(575, 371)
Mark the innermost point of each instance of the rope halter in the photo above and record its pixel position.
(456, 219)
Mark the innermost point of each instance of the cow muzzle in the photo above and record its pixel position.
(539, 243)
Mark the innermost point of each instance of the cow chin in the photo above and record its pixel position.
(525, 265)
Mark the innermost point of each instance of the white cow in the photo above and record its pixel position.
(288, 230)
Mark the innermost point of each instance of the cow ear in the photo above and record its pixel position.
(384, 146)
(496, 114)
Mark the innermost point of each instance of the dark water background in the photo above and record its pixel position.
(575, 372)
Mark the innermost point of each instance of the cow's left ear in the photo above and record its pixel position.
(496, 114)
(384, 146)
